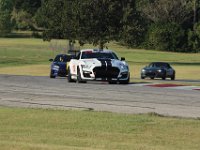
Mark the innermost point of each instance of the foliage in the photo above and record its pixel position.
(167, 10)
(58, 20)
(99, 22)
(194, 38)
(134, 25)
(90, 21)
(24, 12)
(103, 24)
(5, 16)
(29, 6)
(165, 37)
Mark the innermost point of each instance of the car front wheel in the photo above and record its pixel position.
(51, 75)
(79, 79)
(124, 82)
(69, 77)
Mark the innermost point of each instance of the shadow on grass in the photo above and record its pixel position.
(21, 35)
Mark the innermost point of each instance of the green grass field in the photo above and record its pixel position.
(34, 53)
(41, 129)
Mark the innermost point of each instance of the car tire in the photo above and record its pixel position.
(152, 78)
(173, 77)
(142, 77)
(164, 76)
(79, 79)
(124, 82)
(69, 77)
(51, 75)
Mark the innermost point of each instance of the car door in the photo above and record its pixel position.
(74, 64)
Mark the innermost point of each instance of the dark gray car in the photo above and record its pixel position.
(158, 70)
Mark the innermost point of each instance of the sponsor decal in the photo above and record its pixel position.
(74, 68)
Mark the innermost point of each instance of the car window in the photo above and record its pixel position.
(62, 58)
(78, 56)
(150, 65)
(164, 65)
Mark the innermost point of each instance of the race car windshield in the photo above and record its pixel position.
(86, 55)
(62, 58)
(162, 65)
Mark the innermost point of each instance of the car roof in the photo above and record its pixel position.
(97, 50)
(63, 55)
(159, 63)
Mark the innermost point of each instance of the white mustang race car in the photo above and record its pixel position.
(98, 65)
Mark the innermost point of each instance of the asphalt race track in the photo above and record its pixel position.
(43, 92)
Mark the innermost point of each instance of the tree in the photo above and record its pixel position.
(100, 21)
(24, 12)
(177, 11)
(91, 21)
(58, 19)
(168, 37)
(194, 38)
(5, 16)
(30, 6)
(134, 25)
(165, 14)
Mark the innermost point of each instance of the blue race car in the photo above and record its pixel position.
(59, 65)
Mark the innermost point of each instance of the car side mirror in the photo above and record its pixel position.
(123, 59)
(51, 60)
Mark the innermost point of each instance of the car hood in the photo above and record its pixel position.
(99, 62)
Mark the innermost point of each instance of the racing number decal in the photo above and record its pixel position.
(74, 68)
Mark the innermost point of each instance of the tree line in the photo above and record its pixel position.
(169, 25)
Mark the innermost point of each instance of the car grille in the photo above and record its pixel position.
(103, 72)
(124, 75)
(150, 73)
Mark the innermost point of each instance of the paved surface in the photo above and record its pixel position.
(43, 92)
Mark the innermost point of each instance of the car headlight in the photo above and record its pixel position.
(159, 70)
(123, 67)
(143, 70)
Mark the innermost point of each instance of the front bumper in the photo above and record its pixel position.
(59, 72)
(105, 74)
(154, 74)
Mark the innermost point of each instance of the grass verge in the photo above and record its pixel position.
(42, 129)
(19, 54)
